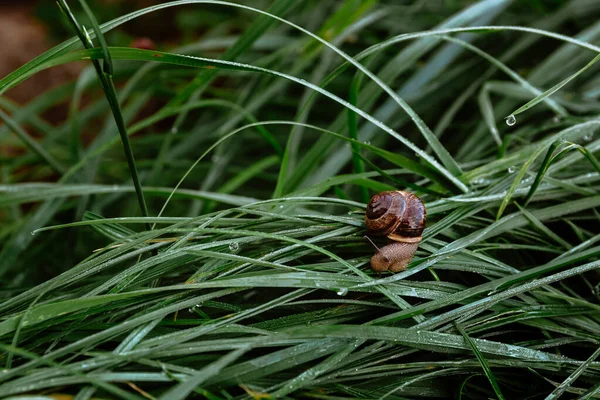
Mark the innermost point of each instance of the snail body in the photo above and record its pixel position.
(400, 216)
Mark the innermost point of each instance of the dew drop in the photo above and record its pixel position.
(32, 233)
(526, 181)
(478, 181)
(556, 119)
(588, 137)
(342, 292)
(367, 142)
(174, 130)
(512, 170)
(511, 120)
(281, 206)
(234, 247)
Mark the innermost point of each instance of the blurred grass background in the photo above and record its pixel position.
(258, 132)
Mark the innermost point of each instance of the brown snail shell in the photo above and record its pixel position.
(400, 216)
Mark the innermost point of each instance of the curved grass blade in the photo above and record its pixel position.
(425, 340)
(26, 193)
(551, 156)
(198, 62)
(486, 368)
(541, 172)
(193, 90)
(556, 393)
(517, 181)
(25, 71)
(106, 81)
(551, 91)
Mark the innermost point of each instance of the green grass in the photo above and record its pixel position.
(257, 146)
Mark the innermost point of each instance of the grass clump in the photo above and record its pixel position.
(248, 275)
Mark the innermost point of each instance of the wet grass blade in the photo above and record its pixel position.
(556, 393)
(486, 368)
(552, 90)
(105, 77)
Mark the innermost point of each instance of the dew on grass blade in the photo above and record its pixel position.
(512, 169)
(234, 247)
(511, 120)
(342, 292)
(588, 137)
(526, 180)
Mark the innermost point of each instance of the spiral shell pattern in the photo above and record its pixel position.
(396, 214)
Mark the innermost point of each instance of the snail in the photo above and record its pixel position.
(400, 216)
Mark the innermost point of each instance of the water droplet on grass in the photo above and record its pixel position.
(512, 170)
(234, 247)
(342, 292)
(511, 120)
(588, 137)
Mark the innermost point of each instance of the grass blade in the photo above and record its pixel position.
(556, 393)
(486, 368)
